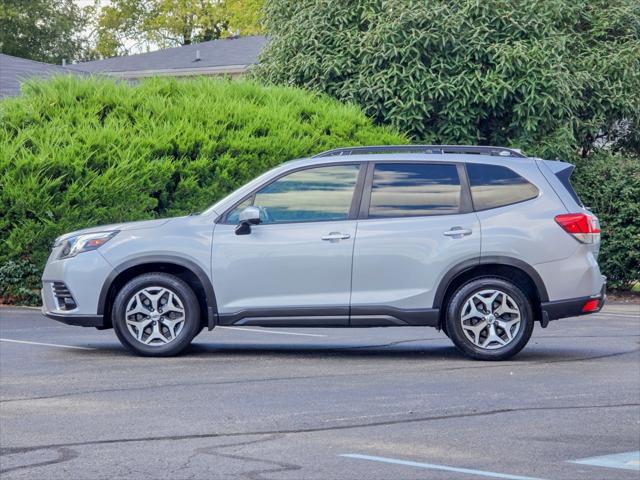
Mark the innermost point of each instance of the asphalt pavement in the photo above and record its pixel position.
(380, 403)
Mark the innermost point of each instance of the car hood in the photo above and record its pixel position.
(145, 224)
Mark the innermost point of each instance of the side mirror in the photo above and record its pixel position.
(249, 216)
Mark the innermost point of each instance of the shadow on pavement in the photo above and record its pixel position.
(407, 349)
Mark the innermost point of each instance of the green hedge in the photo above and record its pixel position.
(77, 153)
(610, 186)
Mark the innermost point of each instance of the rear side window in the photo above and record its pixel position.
(414, 189)
(495, 186)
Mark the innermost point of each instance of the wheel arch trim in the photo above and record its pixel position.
(467, 265)
(203, 278)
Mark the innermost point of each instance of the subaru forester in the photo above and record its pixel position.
(480, 242)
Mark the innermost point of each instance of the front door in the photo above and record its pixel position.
(294, 268)
(416, 223)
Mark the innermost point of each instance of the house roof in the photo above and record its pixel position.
(229, 55)
(15, 70)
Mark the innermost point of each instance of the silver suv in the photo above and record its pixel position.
(480, 242)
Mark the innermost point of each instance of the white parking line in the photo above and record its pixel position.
(621, 315)
(625, 461)
(44, 344)
(277, 332)
(432, 466)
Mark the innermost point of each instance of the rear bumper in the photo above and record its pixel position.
(80, 320)
(572, 307)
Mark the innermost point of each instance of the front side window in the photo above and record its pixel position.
(234, 215)
(414, 189)
(495, 186)
(311, 195)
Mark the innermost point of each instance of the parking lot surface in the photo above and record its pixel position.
(375, 403)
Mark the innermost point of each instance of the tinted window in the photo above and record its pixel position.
(414, 189)
(564, 177)
(315, 194)
(495, 186)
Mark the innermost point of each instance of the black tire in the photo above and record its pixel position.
(467, 346)
(192, 323)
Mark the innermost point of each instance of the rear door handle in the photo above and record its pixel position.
(335, 236)
(457, 232)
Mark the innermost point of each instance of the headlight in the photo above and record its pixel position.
(84, 243)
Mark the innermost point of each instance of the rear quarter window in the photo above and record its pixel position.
(495, 186)
(565, 178)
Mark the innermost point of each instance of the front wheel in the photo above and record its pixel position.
(489, 319)
(156, 314)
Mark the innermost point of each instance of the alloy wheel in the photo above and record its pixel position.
(155, 316)
(490, 319)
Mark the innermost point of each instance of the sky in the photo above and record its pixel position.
(129, 45)
(86, 3)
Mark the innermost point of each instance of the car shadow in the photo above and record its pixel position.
(323, 350)
(403, 350)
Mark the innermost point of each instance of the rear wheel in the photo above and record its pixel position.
(156, 314)
(489, 319)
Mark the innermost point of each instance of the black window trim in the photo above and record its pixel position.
(465, 193)
(361, 200)
(506, 204)
(355, 199)
(564, 176)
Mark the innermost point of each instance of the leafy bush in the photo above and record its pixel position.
(77, 153)
(610, 186)
(18, 282)
(551, 76)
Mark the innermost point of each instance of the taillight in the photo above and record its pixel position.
(591, 305)
(582, 226)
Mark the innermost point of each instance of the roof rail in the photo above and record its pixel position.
(429, 149)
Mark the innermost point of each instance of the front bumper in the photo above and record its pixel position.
(573, 307)
(81, 278)
(77, 319)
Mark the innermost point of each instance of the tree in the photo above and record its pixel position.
(43, 30)
(556, 77)
(130, 25)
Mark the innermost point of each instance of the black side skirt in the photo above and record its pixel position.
(80, 320)
(333, 316)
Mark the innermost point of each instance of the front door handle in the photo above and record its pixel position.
(457, 232)
(335, 236)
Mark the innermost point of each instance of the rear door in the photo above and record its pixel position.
(416, 223)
